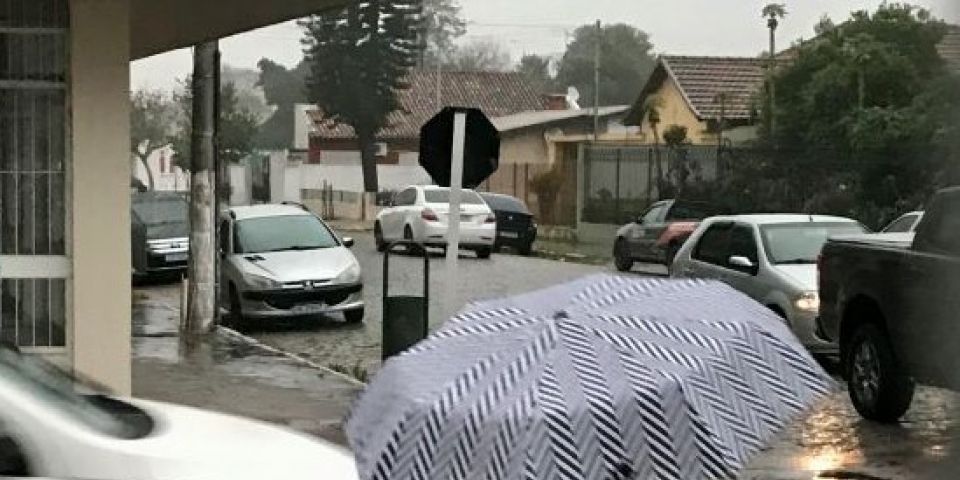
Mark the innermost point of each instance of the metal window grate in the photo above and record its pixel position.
(33, 152)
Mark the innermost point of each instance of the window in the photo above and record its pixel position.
(944, 230)
(801, 243)
(713, 246)
(691, 211)
(224, 236)
(442, 195)
(902, 225)
(406, 198)
(743, 243)
(282, 233)
(33, 166)
(505, 203)
(654, 215)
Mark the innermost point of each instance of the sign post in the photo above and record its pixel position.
(453, 218)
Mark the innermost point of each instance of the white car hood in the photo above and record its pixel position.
(296, 266)
(804, 276)
(192, 444)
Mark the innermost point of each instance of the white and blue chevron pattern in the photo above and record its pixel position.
(607, 377)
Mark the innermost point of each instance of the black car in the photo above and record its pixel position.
(515, 225)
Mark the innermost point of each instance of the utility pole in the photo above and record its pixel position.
(201, 301)
(596, 82)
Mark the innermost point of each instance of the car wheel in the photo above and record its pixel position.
(880, 388)
(484, 253)
(621, 256)
(378, 237)
(353, 316)
(672, 250)
(236, 309)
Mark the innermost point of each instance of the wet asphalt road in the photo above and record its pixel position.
(831, 442)
(330, 341)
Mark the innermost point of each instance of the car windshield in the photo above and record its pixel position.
(505, 204)
(283, 233)
(161, 210)
(48, 386)
(467, 197)
(691, 211)
(800, 243)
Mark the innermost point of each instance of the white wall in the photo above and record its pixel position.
(174, 180)
(241, 185)
(349, 178)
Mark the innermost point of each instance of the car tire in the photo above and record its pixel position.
(621, 256)
(354, 316)
(484, 253)
(236, 309)
(378, 237)
(879, 386)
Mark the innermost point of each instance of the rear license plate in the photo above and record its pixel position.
(509, 234)
(176, 257)
(309, 309)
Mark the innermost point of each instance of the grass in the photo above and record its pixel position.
(356, 371)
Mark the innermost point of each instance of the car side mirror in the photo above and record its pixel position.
(348, 242)
(741, 262)
(13, 462)
(639, 220)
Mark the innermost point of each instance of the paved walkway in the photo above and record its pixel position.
(226, 372)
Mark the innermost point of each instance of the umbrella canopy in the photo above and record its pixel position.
(607, 377)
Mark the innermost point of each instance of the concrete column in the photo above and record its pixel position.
(99, 307)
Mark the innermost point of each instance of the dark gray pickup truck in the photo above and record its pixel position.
(893, 302)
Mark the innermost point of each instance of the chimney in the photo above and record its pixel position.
(555, 101)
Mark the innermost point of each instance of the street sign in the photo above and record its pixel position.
(481, 147)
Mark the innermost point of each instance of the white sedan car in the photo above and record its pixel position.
(421, 214)
(48, 429)
(772, 259)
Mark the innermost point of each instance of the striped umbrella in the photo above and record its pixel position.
(607, 377)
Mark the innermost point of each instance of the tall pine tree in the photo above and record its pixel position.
(358, 58)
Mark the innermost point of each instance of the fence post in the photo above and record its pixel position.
(581, 181)
(616, 194)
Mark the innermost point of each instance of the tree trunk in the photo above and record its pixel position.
(368, 160)
(201, 300)
(773, 87)
(151, 184)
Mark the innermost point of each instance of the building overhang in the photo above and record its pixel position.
(157, 26)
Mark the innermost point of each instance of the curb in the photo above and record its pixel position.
(229, 332)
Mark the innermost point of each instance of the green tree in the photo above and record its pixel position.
(283, 89)
(151, 118)
(479, 56)
(441, 26)
(237, 126)
(536, 69)
(626, 62)
(358, 58)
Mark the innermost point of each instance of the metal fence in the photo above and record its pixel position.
(619, 182)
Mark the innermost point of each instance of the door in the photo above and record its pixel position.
(743, 243)
(225, 249)
(710, 253)
(644, 235)
(34, 174)
(394, 220)
(930, 283)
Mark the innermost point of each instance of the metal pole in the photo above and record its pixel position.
(218, 189)
(596, 82)
(453, 218)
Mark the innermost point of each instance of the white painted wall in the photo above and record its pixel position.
(349, 178)
(241, 185)
(173, 180)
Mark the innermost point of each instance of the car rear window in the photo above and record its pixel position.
(691, 211)
(467, 197)
(161, 210)
(506, 203)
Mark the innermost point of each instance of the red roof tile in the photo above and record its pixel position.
(703, 79)
(495, 93)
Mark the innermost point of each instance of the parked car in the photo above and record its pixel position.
(283, 261)
(771, 258)
(159, 233)
(891, 300)
(52, 426)
(657, 235)
(516, 227)
(904, 224)
(420, 213)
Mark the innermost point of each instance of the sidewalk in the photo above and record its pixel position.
(229, 373)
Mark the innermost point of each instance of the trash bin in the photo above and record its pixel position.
(405, 317)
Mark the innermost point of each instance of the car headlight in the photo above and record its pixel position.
(350, 275)
(808, 302)
(261, 283)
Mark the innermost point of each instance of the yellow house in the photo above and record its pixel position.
(64, 168)
(700, 93)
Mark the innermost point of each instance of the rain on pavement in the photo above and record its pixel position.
(831, 442)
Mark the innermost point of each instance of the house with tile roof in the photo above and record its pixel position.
(698, 92)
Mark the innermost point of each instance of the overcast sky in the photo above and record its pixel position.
(696, 27)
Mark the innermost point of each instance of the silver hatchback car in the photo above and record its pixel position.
(284, 261)
(771, 258)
